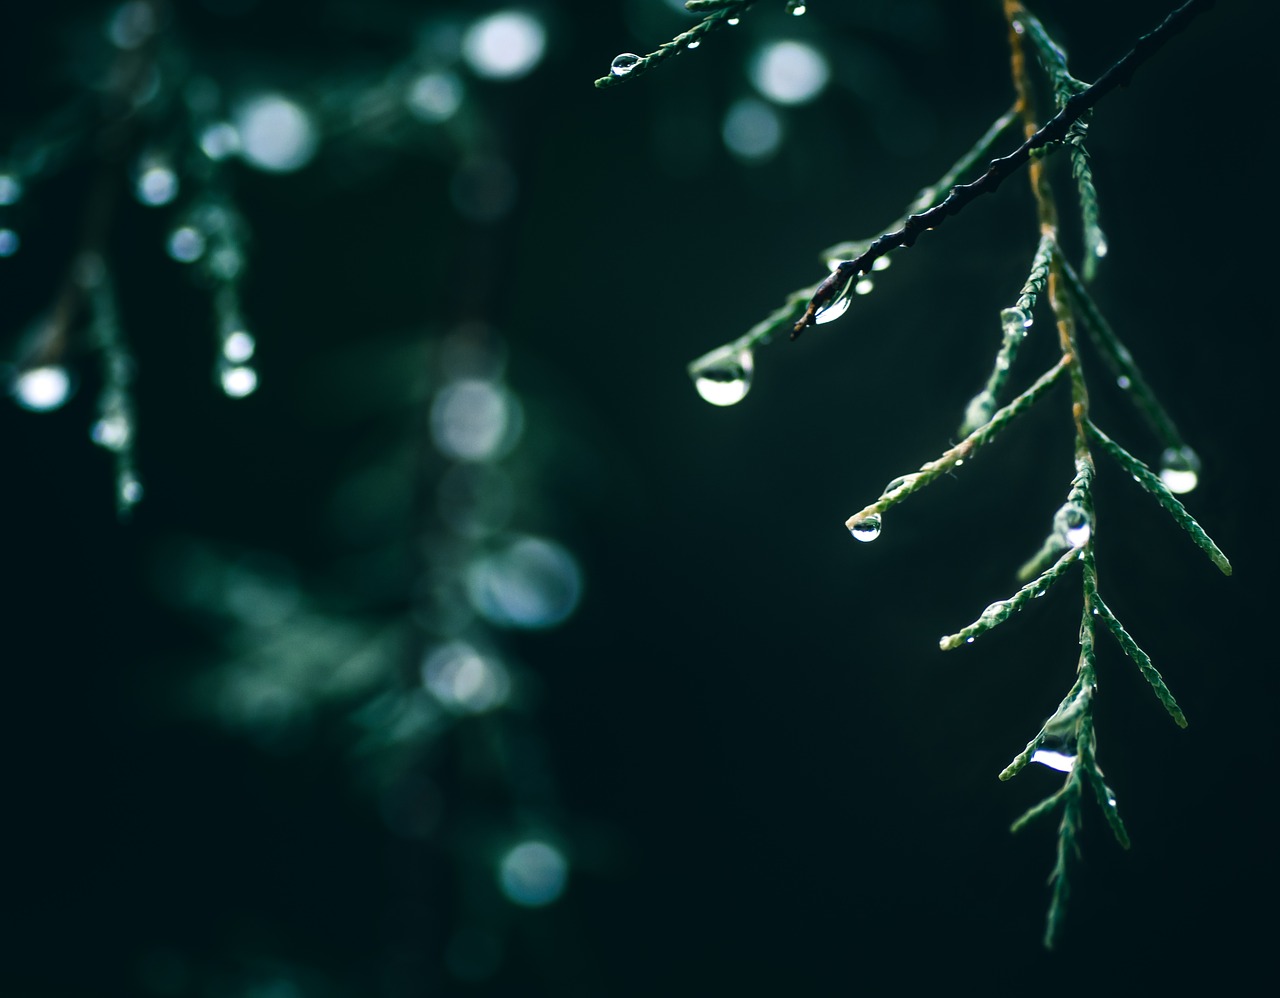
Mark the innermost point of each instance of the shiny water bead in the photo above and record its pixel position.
(723, 377)
(867, 529)
(1180, 469)
(623, 64)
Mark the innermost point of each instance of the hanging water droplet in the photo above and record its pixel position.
(239, 381)
(994, 613)
(10, 189)
(186, 244)
(129, 489)
(693, 44)
(1073, 525)
(867, 529)
(723, 376)
(836, 307)
(623, 64)
(157, 185)
(238, 346)
(112, 431)
(1055, 758)
(1014, 322)
(1180, 469)
(900, 481)
(42, 389)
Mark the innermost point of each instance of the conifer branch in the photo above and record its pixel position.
(1053, 131)
(720, 13)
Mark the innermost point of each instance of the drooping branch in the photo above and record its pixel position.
(961, 195)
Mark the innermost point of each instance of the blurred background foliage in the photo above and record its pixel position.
(465, 650)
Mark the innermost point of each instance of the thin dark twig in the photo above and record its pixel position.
(962, 194)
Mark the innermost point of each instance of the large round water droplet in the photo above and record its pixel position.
(836, 307)
(1180, 469)
(533, 874)
(42, 389)
(867, 529)
(623, 64)
(723, 377)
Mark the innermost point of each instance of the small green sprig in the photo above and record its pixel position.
(719, 14)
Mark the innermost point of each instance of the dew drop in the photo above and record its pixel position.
(1063, 762)
(238, 346)
(130, 489)
(111, 431)
(1100, 248)
(1014, 322)
(836, 307)
(723, 376)
(42, 389)
(693, 44)
(157, 185)
(796, 9)
(1074, 524)
(186, 244)
(1180, 469)
(733, 21)
(901, 481)
(867, 529)
(623, 64)
(994, 613)
(239, 381)
(10, 189)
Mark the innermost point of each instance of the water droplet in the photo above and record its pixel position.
(42, 389)
(9, 242)
(796, 9)
(900, 481)
(276, 134)
(867, 529)
(881, 263)
(238, 346)
(220, 140)
(434, 97)
(1100, 248)
(994, 613)
(723, 376)
(693, 44)
(129, 488)
(1180, 469)
(10, 189)
(864, 287)
(733, 21)
(186, 244)
(239, 380)
(1124, 382)
(112, 431)
(1014, 322)
(533, 874)
(836, 307)
(1062, 761)
(464, 680)
(157, 185)
(623, 64)
(1073, 525)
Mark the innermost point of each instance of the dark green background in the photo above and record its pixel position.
(769, 779)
